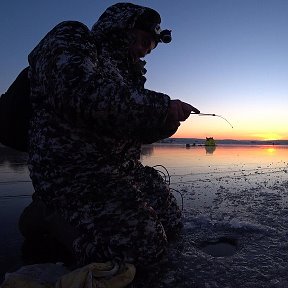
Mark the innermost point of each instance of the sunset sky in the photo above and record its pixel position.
(228, 57)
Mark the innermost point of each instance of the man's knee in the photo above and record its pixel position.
(32, 222)
(37, 221)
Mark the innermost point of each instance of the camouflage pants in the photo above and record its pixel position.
(132, 223)
(100, 218)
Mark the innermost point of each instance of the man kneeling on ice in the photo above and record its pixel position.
(91, 114)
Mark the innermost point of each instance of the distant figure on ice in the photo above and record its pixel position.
(91, 113)
(210, 141)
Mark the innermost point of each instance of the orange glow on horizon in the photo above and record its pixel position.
(268, 136)
(232, 136)
(259, 128)
(221, 131)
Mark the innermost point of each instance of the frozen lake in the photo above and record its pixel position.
(235, 210)
(237, 193)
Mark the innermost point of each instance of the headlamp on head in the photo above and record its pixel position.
(150, 21)
(161, 35)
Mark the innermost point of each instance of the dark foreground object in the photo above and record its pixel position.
(15, 113)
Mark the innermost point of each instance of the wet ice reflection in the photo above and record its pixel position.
(233, 193)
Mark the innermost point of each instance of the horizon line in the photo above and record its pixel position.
(229, 139)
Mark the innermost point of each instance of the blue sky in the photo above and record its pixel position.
(228, 57)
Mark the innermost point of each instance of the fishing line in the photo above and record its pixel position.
(208, 114)
(167, 179)
(181, 195)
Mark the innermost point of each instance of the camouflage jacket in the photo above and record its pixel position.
(89, 101)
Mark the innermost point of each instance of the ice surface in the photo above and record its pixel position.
(239, 194)
(242, 201)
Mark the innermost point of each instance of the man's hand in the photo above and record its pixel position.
(178, 111)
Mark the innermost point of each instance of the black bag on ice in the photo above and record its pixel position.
(15, 113)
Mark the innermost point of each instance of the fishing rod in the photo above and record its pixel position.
(212, 114)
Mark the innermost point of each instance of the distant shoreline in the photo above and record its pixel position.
(199, 142)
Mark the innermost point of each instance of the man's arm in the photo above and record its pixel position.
(178, 111)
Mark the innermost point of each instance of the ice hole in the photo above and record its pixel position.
(221, 247)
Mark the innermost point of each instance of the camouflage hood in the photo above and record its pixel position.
(112, 33)
(122, 17)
